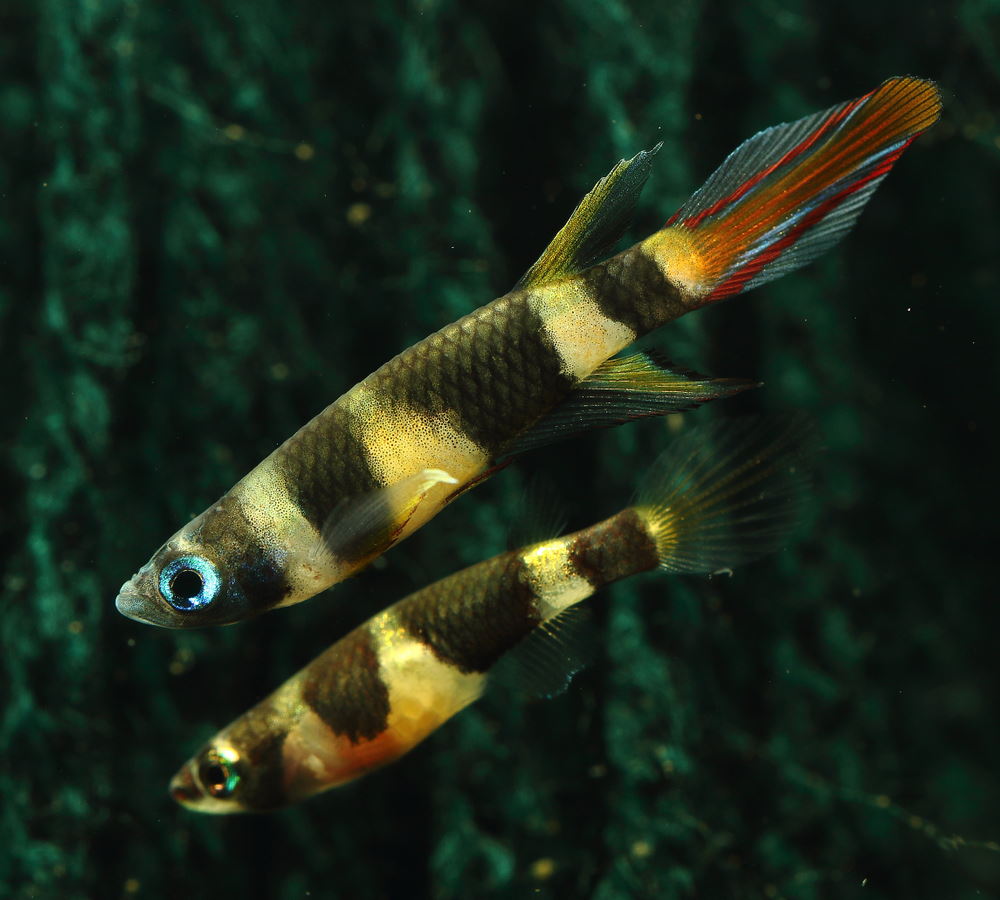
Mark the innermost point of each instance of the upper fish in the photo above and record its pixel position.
(535, 365)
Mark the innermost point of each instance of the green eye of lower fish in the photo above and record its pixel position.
(189, 582)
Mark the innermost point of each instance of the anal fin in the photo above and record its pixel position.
(626, 388)
(543, 664)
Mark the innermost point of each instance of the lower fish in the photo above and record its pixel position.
(720, 496)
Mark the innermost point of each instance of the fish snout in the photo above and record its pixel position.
(183, 788)
(129, 601)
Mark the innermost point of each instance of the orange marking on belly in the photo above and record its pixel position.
(315, 758)
(356, 759)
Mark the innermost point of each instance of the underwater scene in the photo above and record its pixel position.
(499, 450)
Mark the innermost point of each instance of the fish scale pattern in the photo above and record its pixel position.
(439, 616)
(495, 371)
(631, 289)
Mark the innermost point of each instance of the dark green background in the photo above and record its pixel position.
(215, 216)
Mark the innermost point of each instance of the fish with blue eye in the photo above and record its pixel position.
(536, 365)
(212, 586)
(188, 582)
(193, 584)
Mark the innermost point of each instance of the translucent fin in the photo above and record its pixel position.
(544, 663)
(366, 524)
(597, 223)
(726, 492)
(540, 515)
(789, 193)
(626, 388)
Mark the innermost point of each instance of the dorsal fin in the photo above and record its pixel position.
(597, 223)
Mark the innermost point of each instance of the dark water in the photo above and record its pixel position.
(218, 216)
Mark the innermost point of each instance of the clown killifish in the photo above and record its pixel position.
(534, 365)
(722, 494)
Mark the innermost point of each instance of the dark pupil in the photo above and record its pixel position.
(186, 584)
(215, 777)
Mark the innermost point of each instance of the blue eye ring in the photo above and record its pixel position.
(189, 582)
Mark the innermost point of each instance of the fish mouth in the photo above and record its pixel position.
(130, 603)
(183, 789)
(134, 601)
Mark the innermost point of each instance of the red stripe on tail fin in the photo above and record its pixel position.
(789, 193)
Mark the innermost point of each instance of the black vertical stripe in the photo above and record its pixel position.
(470, 619)
(323, 463)
(494, 371)
(254, 578)
(344, 687)
(259, 741)
(613, 549)
(630, 288)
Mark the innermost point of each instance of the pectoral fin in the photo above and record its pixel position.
(362, 527)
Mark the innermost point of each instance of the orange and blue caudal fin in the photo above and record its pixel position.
(789, 193)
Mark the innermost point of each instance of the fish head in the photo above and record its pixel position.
(242, 768)
(216, 570)
(225, 777)
(213, 781)
(276, 754)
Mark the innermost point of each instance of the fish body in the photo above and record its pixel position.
(455, 402)
(720, 496)
(534, 365)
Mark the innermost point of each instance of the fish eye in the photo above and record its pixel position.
(219, 772)
(189, 582)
